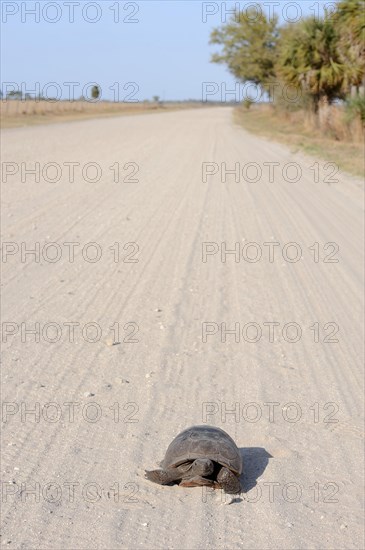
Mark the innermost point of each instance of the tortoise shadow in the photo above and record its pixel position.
(255, 460)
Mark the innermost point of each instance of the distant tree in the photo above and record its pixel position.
(247, 103)
(15, 94)
(95, 92)
(156, 98)
(249, 50)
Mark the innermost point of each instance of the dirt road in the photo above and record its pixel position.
(131, 340)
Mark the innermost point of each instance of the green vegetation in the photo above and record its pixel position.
(247, 103)
(350, 22)
(15, 94)
(321, 59)
(309, 60)
(95, 92)
(249, 47)
(355, 107)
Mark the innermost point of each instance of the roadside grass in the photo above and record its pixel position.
(265, 121)
(65, 113)
(20, 121)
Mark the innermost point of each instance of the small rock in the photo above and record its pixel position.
(120, 380)
(110, 342)
(89, 394)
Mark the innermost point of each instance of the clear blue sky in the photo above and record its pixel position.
(166, 52)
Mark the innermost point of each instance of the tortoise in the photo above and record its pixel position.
(201, 456)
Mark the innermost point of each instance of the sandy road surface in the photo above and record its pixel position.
(302, 482)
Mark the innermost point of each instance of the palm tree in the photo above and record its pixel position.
(309, 59)
(350, 22)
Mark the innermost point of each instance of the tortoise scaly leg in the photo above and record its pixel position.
(163, 477)
(228, 481)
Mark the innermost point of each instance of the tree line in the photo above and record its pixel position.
(323, 58)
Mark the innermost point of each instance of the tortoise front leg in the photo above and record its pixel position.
(228, 481)
(163, 477)
(168, 475)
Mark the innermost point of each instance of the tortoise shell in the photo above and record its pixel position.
(204, 442)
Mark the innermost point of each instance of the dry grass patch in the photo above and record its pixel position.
(15, 114)
(342, 145)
